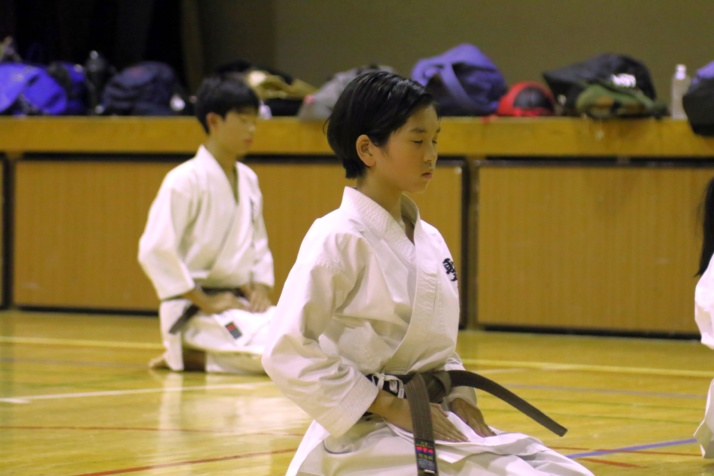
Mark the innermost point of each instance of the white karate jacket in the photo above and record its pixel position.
(362, 299)
(704, 317)
(196, 233)
(349, 308)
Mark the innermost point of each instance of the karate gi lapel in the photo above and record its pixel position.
(422, 322)
(240, 211)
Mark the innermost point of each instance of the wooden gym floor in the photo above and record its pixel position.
(76, 398)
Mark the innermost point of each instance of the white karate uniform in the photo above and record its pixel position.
(197, 233)
(704, 317)
(363, 299)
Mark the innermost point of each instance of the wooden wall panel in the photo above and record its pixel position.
(296, 194)
(611, 248)
(78, 224)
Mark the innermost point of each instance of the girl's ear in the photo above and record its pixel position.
(365, 149)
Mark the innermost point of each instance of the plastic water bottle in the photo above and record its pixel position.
(680, 85)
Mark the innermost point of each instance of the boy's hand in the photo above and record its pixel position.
(217, 303)
(258, 297)
(213, 303)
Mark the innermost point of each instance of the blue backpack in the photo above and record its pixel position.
(463, 80)
(29, 90)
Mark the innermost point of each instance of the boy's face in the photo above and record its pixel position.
(234, 133)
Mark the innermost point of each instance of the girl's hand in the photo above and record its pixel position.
(396, 411)
(472, 416)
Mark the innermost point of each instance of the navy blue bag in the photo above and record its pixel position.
(148, 88)
(29, 90)
(463, 80)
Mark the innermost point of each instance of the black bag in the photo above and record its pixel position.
(72, 78)
(282, 93)
(149, 88)
(567, 83)
(698, 103)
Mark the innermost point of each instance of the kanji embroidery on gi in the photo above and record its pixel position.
(450, 269)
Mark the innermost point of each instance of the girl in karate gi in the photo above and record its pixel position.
(704, 313)
(374, 292)
(205, 243)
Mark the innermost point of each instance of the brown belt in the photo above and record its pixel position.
(423, 388)
(191, 310)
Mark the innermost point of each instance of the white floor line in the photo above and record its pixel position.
(80, 343)
(31, 398)
(591, 368)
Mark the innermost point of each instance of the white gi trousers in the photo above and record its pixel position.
(227, 350)
(373, 447)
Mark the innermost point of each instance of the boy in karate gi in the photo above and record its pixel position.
(205, 246)
(374, 292)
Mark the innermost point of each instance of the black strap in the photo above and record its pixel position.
(463, 378)
(422, 429)
(191, 310)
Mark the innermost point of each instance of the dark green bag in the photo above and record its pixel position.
(604, 100)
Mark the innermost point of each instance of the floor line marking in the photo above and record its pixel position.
(632, 449)
(613, 463)
(81, 343)
(500, 371)
(610, 391)
(592, 368)
(153, 430)
(78, 363)
(669, 453)
(185, 463)
(240, 386)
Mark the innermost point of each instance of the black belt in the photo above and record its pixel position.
(423, 388)
(191, 310)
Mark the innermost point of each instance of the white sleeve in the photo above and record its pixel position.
(262, 271)
(331, 390)
(704, 306)
(158, 245)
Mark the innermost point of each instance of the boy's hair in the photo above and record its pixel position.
(375, 104)
(222, 93)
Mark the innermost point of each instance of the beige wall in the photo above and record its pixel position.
(236, 29)
(313, 38)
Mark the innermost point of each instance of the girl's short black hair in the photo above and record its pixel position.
(222, 93)
(706, 214)
(376, 104)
